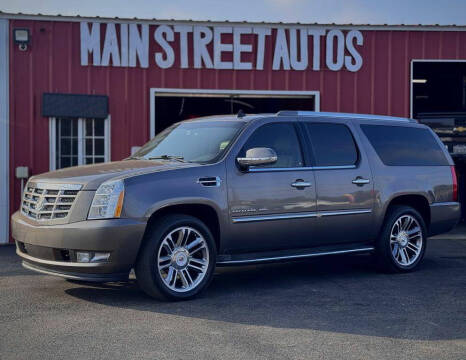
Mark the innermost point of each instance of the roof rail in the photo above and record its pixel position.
(342, 115)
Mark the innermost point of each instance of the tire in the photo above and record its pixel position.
(397, 251)
(177, 260)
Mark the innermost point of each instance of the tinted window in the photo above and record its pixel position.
(280, 137)
(333, 144)
(405, 146)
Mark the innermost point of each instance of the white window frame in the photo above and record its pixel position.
(216, 92)
(81, 124)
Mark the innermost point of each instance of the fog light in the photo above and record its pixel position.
(100, 257)
(83, 257)
(91, 257)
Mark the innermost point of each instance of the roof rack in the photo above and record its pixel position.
(342, 115)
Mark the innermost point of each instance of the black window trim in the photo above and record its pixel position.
(301, 142)
(313, 153)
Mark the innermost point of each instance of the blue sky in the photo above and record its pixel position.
(305, 11)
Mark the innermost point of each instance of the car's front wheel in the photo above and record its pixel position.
(178, 258)
(402, 241)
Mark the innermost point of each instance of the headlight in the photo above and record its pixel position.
(108, 200)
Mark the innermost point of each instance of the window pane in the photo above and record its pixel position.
(333, 144)
(99, 127)
(89, 160)
(75, 146)
(66, 142)
(74, 123)
(280, 137)
(89, 127)
(99, 147)
(405, 146)
(65, 126)
(99, 160)
(65, 161)
(65, 147)
(89, 147)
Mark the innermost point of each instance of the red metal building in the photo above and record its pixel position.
(149, 73)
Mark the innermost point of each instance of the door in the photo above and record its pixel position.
(343, 182)
(272, 207)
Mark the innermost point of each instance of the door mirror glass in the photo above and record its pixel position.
(258, 156)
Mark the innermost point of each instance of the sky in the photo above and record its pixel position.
(444, 12)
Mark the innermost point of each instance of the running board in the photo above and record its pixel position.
(273, 256)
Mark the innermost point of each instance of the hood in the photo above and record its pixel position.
(91, 176)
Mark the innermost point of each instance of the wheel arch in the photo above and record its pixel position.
(203, 210)
(417, 201)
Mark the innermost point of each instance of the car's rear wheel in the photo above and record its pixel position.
(402, 241)
(178, 258)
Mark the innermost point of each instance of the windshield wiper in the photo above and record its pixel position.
(167, 157)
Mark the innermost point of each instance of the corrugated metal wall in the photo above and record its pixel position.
(52, 64)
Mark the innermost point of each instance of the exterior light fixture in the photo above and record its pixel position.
(419, 81)
(22, 38)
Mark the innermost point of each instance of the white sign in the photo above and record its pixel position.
(127, 45)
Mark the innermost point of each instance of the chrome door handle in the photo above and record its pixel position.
(301, 184)
(360, 181)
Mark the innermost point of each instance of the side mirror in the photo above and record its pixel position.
(257, 156)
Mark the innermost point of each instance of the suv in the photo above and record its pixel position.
(234, 190)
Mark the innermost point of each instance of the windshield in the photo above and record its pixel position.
(191, 141)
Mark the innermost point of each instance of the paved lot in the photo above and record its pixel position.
(337, 308)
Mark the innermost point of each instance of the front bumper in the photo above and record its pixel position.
(52, 249)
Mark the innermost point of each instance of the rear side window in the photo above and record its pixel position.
(333, 144)
(280, 137)
(405, 146)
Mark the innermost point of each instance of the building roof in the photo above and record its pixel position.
(59, 17)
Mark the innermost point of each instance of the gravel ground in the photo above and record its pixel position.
(332, 308)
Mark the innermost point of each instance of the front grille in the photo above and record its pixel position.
(43, 201)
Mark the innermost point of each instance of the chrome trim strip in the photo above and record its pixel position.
(273, 217)
(445, 203)
(58, 263)
(289, 257)
(333, 167)
(53, 186)
(344, 212)
(303, 168)
(299, 215)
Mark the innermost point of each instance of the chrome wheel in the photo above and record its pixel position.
(406, 240)
(183, 259)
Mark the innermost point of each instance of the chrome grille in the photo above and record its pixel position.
(43, 201)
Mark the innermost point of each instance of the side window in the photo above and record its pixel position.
(280, 137)
(333, 144)
(405, 146)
